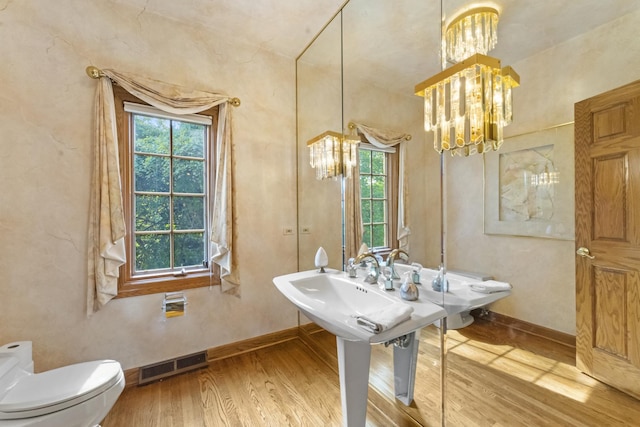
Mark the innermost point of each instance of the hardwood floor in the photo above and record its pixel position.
(496, 376)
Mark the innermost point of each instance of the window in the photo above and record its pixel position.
(378, 196)
(166, 179)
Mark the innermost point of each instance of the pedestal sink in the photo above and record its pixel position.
(333, 300)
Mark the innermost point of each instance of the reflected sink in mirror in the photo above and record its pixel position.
(460, 297)
(333, 300)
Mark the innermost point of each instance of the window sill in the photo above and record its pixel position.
(155, 285)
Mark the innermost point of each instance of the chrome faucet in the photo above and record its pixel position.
(372, 277)
(391, 259)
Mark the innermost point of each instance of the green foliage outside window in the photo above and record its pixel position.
(170, 175)
(373, 194)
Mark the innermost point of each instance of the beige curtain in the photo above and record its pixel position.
(106, 220)
(222, 231)
(106, 228)
(383, 139)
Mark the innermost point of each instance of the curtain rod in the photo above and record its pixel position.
(96, 73)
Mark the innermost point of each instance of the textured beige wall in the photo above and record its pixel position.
(46, 105)
(542, 271)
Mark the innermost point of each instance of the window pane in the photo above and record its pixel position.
(379, 237)
(373, 186)
(378, 210)
(188, 213)
(189, 249)
(377, 162)
(151, 173)
(366, 236)
(365, 186)
(152, 213)
(378, 187)
(365, 161)
(188, 176)
(151, 135)
(152, 251)
(366, 211)
(188, 139)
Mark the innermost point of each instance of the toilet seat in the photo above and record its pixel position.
(57, 389)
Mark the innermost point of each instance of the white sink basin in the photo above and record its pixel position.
(332, 300)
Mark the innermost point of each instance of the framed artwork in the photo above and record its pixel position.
(529, 185)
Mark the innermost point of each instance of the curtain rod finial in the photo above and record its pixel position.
(235, 102)
(93, 72)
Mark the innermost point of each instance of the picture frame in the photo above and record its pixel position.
(529, 185)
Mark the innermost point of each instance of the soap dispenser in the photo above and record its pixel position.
(408, 290)
(415, 274)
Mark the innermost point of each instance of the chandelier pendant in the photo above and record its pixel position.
(332, 154)
(467, 105)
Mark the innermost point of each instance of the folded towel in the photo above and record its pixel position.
(490, 286)
(386, 318)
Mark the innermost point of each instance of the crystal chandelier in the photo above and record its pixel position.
(468, 104)
(472, 32)
(332, 154)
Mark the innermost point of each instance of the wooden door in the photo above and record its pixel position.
(607, 167)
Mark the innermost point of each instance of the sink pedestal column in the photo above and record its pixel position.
(354, 358)
(404, 367)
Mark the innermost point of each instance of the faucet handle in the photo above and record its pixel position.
(386, 272)
(352, 270)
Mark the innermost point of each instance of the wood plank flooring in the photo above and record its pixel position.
(496, 376)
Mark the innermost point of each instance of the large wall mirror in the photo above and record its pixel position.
(319, 109)
(364, 66)
(338, 82)
(378, 92)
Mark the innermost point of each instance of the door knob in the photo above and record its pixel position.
(585, 253)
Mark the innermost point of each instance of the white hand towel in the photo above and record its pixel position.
(490, 286)
(386, 318)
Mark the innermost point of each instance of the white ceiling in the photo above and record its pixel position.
(286, 26)
(405, 33)
(281, 26)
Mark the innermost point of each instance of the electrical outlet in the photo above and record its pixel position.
(287, 231)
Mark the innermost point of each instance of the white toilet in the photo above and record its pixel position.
(78, 395)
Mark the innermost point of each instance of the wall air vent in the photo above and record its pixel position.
(168, 368)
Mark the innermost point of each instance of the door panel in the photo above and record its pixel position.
(607, 150)
(609, 197)
(610, 303)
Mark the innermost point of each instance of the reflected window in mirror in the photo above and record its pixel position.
(379, 197)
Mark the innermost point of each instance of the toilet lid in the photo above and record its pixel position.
(58, 389)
